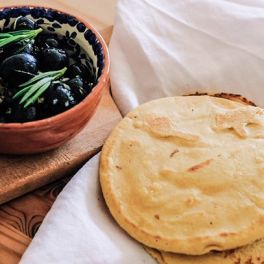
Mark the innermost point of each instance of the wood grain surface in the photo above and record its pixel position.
(13, 244)
(21, 217)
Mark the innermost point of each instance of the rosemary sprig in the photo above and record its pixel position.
(15, 36)
(36, 86)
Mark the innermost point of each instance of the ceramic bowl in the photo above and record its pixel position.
(46, 134)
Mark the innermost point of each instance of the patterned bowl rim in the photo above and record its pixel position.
(103, 80)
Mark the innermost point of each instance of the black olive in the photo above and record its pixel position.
(23, 46)
(47, 41)
(18, 68)
(73, 71)
(89, 65)
(77, 87)
(22, 23)
(8, 94)
(52, 42)
(2, 109)
(81, 70)
(88, 87)
(76, 82)
(52, 59)
(59, 98)
(18, 113)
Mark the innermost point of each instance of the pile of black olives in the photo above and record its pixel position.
(22, 60)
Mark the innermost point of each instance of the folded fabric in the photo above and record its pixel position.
(79, 228)
(158, 48)
(166, 48)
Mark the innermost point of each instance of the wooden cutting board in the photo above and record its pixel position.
(22, 174)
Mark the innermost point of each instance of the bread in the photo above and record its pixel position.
(249, 254)
(184, 174)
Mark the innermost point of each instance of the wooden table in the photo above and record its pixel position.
(21, 218)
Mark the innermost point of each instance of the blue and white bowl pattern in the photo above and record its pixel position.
(81, 38)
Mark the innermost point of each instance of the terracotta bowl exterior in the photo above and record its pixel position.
(46, 134)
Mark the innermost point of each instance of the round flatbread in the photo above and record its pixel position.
(250, 254)
(184, 174)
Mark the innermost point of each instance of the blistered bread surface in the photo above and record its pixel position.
(186, 174)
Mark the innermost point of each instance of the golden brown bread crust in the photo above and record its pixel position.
(156, 254)
(250, 254)
(234, 97)
(116, 206)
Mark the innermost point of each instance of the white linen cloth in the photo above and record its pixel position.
(158, 48)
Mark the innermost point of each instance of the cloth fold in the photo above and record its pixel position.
(179, 47)
(81, 230)
(158, 48)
